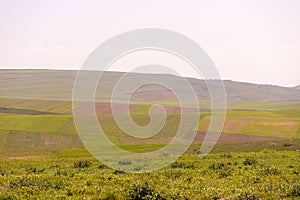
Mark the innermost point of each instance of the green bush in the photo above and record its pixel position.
(8, 197)
(43, 184)
(218, 166)
(118, 172)
(250, 161)
(295, 191)
(183, 165)
(144, 192)
(101, 166)
(2, 172)
(247, 196)
(226, 155)
(34, 170)
(82, 164)
(223, 169)
(63, 172)
(270, 171)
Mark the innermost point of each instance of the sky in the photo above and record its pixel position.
(254, 41)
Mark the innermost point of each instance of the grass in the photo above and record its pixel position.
(281, 123)
(24, 111)
(33, 123)
(265, 106)
(53, 106)
(44, 130)
(77, 150)
(42, 158)
(271, 175)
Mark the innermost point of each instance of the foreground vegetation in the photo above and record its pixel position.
(41, 156)
(267, 174)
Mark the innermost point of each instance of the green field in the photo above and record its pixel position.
(40, 123)
(42, 156)
(264, 175)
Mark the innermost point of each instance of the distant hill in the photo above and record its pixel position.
(58, 84)
(297, 87)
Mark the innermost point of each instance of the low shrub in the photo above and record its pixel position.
(183, 165)
(101, 166)
(270, 171)
(8, 196)
(118, 172)
(217, 166)
(44, 184)
(250, 161)
(248, 196)
(2, 172)
(226, 155)
(295, 191)
(82, 164)
(223, 169)
(144, 192)
(63, 172)
(34, 170)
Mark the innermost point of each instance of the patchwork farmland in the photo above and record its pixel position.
(257, 155)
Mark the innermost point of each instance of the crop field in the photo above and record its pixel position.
(42, 157)
(20, 120)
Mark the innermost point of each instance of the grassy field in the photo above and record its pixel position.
(42, 156)
(24, 121)
(263, 175)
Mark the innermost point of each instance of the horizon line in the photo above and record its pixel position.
(156, 73)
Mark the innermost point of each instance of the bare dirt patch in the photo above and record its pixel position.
(286, 123)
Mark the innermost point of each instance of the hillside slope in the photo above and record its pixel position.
(58, 84)
(297, 87)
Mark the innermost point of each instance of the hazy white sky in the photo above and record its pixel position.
(254, 41)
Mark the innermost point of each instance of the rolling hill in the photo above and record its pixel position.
(36, 110)
(58, 85)
(297, 87)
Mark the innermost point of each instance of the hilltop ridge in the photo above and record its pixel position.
(58, 84)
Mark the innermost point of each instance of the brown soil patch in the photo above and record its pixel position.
(285, 123)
